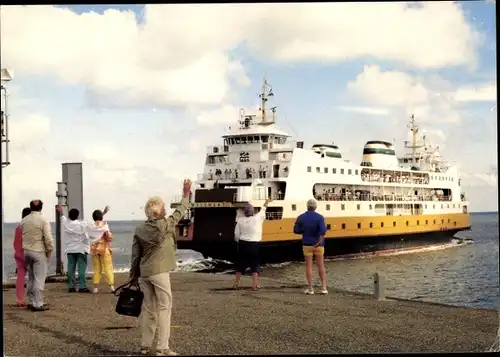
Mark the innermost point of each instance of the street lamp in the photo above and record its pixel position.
(5, 77)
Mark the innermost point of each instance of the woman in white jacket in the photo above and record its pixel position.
(248, 234)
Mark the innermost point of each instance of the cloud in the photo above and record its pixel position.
(365, 110)
(485, 92)
(430, 98)
(226, 114)
(28, 131)
(180, 55)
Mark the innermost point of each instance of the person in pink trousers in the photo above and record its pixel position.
(19, 257)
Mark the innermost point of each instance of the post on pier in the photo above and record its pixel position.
(70, 195)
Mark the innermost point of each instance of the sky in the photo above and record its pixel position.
(137, 93)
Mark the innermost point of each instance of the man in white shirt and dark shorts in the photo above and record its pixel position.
(248, 234)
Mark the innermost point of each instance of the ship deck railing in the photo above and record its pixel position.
(367, 197)
(242, 175)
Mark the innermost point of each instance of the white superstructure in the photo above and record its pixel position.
(262, 161)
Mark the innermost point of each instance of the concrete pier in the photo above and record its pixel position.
(210, 318)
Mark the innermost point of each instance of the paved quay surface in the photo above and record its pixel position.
(209, 318)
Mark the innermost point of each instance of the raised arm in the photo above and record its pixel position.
(135, 272)
(60, 210)
(262, 212)
(179, 212)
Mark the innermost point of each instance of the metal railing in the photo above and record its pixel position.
(371, 197)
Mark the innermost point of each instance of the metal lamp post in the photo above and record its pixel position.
(5, 77)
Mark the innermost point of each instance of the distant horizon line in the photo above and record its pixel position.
(138, 220)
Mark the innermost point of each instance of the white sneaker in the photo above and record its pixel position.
(323, 291)
(167, 352)
(95, 290)
(309, 291)
(112, 287)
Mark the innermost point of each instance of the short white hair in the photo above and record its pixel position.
(312, 205)
(154, 207)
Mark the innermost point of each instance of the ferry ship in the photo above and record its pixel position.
(382, 203)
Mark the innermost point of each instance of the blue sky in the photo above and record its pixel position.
(137, 93)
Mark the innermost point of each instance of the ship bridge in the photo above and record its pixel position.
(254, 150)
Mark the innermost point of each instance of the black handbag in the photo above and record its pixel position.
(130, 299)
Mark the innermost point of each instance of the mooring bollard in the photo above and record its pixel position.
(379, 286)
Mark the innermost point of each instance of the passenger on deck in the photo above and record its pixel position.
(38, 247)
(311, 225)
(248, 234)
(153, 257)
(19, 258)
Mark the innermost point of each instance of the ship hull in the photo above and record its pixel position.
(291, 250)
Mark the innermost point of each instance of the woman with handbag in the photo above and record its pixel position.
(153, 257)
(100, 248)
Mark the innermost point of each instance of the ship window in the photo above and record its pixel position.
(433, 206)
(441, 206)
(294, 207)
(356, 172)
(449, 220)
(308, 168)
(371, 225)
(250, 139)
(243, 139)
(453, 205)
(442, 221)
(265, 138)
(341, 171)
(349, 172)
(434, 222)
(328, 227)
(426, 206)
(359, 225)
(455, 223)
(237, 140)
(418, 223)
(358, 207)
(343, 225)
(318, 170)
(334, 170)
(326, 170)
(342, 207)
(370, 206)
(448, 205)
(407, 223)
(327, 207)
(394, 223)
(382, 224)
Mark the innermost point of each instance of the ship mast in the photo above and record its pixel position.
(414, 130)
(264, 97)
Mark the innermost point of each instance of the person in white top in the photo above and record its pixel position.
(75, 234)
(248, 234)
(100, 247)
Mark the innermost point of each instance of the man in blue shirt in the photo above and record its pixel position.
(311, 225)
